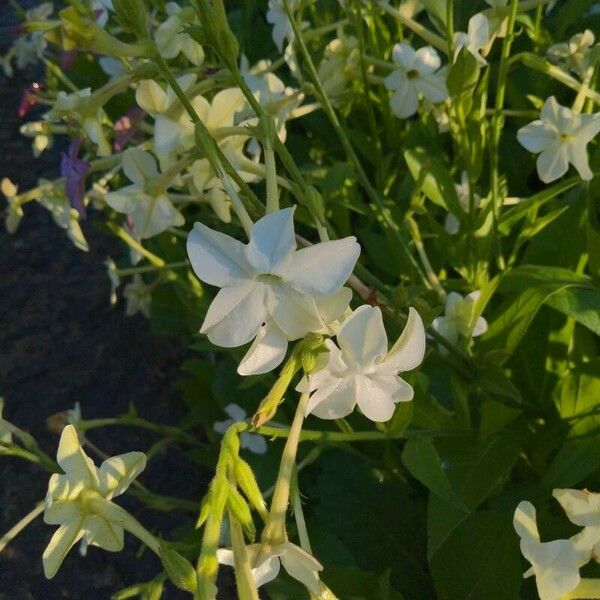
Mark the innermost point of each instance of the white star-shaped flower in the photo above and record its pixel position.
(417, 73)
(583, 508)
(150, 209)
(170, 38)
(250, 441)
(270, 290)
(554, 564)
(71, 497)
(138, 296)
(560, 137)
(576, 53)
(476, 39)
(458, 317)
(361, 371)
(267, 560)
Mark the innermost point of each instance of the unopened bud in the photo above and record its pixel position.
(241, 511)
(246, 481)
(179, 569)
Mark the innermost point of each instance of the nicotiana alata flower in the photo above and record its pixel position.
(560, 137)
(583, 508)
(476, 39)
(416, 73)
(362, 371)
(269, 288)
(74, 170)
(249, 441)
(576, 54)
(463, 193)
(5, 428)
(457, 321)
(554, 564)
(171, 39)
(267, 560)
(340, 64)
(282, 28)
(71, 497)
(138, 296)
(149, 206)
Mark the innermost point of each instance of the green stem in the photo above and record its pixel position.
(271, 176)
(329, 436)
(246, 588)
(135, 245)
(274, 532)
(14, 531)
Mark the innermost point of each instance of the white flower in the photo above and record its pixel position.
(251, 441)
(476, 39)
(576, 53)
(583, 508)
(270, 290)
(5, 428)
(458, 318)
(282, 28)
(341, 61)
(150, 209)
(138, 296)
(70, 499)
(42, 140)
(101, 8)
(561, 137)
(463, 192)
(362, 371)
(417, 73)
(554, 564)
(170, 39)
(267, 560)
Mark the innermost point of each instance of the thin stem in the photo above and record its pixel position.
(271, 176)
(450, 26)
(14, 531)
(135, 245)
(274, 531)
(329, 436)
(246, 588)
(299, 515)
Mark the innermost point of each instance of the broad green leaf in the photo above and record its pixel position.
(359, 585)
(479, 559)
(421, 458)
(463, 74)
(581, 303)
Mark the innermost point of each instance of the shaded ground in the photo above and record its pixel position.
(61, 342)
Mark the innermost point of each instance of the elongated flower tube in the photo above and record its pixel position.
(362, 372)
(80, 501)
(270, 290)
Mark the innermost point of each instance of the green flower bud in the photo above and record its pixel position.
(179, 569)
(241, 511)
(245, 479)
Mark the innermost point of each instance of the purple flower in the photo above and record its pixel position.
(74, 170)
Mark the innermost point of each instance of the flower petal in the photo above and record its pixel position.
(405, 100)
(403, 55)
(426, 60)
(323, 268)
(77, 465)
(302, 566)
(223, 108)
(105, 534)
(235, 315)
(408, 351)
(117, 473)
(139, 165)
(536, 136)
(295, 314)
(272, 240)
(333, 401)
(375, 402)
(266, 352)
(217, 259)
(362, 337)
(64, 538)
(553, 162)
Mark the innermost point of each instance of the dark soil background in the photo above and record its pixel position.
(61, 342)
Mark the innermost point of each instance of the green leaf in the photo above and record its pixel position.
(583, 304)
(355, 584)
(479, 559)
(463, 74)
(438, 184)
(421, 458)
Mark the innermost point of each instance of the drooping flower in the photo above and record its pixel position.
(554, 564)
(266, 562)
(361, 371)
(250, 441)
(583, 508)
(560, 137)
(476, 39)
(74, 170)
(457, 321)
(416, 73)
(149, 206)
(268, 287)
(575, 54)
(14, 212)
(73, 499)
